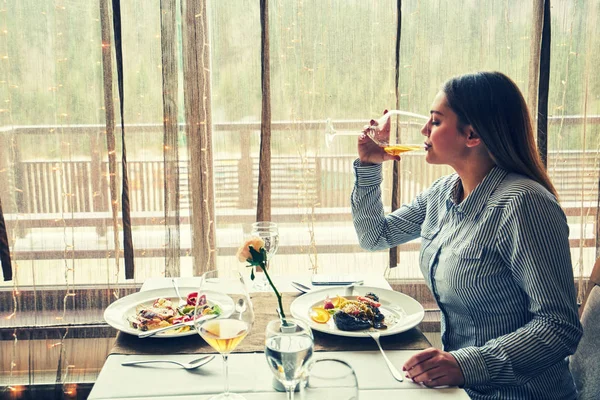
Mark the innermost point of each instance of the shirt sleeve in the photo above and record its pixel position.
(375, 230)
(533, 241)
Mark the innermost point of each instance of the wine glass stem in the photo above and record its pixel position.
(226, 373)
(289, 390)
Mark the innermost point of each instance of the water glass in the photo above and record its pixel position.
(269, 232)
(289, 349)
(328, 379)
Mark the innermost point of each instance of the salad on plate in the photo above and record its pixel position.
(162, 313)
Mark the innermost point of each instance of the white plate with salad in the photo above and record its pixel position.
(354, 311)
(153, 309)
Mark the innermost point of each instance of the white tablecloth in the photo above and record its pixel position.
(249, 373)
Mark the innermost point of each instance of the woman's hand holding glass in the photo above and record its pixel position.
(370, 152)
(225, 332)
(380, 142)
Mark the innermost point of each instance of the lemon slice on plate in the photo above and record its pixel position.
(319, 315)
(338, 301)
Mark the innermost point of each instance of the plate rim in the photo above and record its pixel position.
(387, 332)
(145, 296)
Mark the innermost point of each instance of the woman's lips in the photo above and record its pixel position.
(427, 146)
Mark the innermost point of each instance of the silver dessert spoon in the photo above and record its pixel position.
(240, 307)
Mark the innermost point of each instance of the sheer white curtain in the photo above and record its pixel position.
(328, 60)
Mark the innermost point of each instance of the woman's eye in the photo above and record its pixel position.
(435, 123)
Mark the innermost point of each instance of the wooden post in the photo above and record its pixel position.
(196, 87)
(319, 182)
(263, 207)
(245, 172)
(534, 59)
(544, 86)
(109, 113)
(396, 175)
(168, 28)
(19, 179)
(95, 179)
(6, 189)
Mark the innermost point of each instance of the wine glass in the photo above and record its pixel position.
(269, 232)
(234, 319)
(329, 379)
(409, 126)
(289, 349)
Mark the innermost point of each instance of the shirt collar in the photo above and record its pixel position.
(475, 202)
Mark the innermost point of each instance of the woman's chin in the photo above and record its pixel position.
(430, 158)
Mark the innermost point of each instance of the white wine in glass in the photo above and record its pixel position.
(225, 332)
(224, 335)
(408, 127)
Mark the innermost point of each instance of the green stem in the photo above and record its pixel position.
(276, 292)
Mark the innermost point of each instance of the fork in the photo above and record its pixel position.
(153, 332)
(395, 373)
(189, 365)
(182, 302)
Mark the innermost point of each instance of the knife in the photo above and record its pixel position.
(302, 288)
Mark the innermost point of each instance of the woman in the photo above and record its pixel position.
(494, 245)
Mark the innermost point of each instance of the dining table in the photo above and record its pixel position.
(249, 373)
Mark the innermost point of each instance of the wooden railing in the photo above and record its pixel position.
(321, 181)
(40, 191)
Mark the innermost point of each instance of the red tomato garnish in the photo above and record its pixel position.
(191, 298)
(328, 304)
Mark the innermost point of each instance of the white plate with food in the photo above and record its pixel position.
(353, 311)
(153, 309)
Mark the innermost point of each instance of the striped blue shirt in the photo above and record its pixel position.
(499, 267)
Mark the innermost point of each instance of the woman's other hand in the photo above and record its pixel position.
(368, 151)
(434, 367)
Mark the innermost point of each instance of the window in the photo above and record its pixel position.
(328, 60)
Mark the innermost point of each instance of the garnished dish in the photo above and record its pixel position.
(162, 313)
(351, 314)
(122, 312)
(356, 311)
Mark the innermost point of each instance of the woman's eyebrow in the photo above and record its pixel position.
(436, 112)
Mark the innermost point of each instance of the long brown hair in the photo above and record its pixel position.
(493, 105)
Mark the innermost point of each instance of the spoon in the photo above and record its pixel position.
(240, 307)
(189, 365)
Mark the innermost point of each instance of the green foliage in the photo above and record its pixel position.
(259, 258)
(329, 59)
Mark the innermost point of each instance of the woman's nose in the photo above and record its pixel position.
(425, 129)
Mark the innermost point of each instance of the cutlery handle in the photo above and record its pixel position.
(126, 363)
(396, 374)
(175, 326)
(174, 281)
(153, 332)
(301, 287)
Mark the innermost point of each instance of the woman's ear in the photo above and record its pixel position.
(473, 139)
